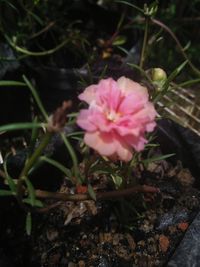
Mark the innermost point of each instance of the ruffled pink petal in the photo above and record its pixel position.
(89, 94)
(132, 103)
(150, 126)
(85, 120)
(138, 143)
(145, 115)
(123, 131)
(108, 94)
(108, 145)
(103, 143)
(123, 151)
(128, 86)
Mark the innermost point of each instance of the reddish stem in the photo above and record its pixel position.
(99, 196)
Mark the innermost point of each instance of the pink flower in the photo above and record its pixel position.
(118, 116)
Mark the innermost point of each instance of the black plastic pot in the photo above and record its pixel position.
(174, 138)
(186, 144)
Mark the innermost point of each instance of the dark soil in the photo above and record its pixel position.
(141, 230)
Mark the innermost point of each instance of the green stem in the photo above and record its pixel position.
(29, 164)
(31, 161)
(73, 156)
(36, 97)
(32, 53)
(142, 57)
(168, 30)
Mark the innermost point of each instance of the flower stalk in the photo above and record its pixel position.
(144, 45)
(30, 163)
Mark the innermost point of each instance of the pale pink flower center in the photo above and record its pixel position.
(113, 116)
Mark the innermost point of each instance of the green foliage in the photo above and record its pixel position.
(28, 223)
(91, 192)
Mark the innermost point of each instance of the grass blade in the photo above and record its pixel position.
(20, 126)
(58, 165)
(157, 158)
(12, 83)
(72, 155)
(4, 193)
(28, 223)
(31, 191)
(91, 192)
(36, 97)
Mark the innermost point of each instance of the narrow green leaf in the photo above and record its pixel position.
(34, 136)
(188, 83)
(162, 157)
(35, 167)
(72, 155)
(151, 145)
(36, 97)
(75, 133)
(117, 180)
(175, 72)
(126, 52)
(12, 83)
(187, 46)
(171, 77)
(10, 4)
(32, 53)
(102, 168)
(141, 71)
(38, 19)
(72, 115)
(28, 223)
(132, 5)
(4, 193)
(9, 179)
(91, 192)
(119, 40)
(20, 126)
(101, 76)
(31, 191)
(58, 165)
(77, 138)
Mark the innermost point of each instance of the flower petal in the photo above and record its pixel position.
(89, 94)
(103, 143)
(132, 103)
(128, 86)
(85, 121)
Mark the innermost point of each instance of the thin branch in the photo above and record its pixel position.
(167, 29)
(187, 19)
(46, 28)
(99, 196)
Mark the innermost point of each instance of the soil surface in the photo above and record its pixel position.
(141, 230)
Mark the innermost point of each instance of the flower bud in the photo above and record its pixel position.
(158, 75)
